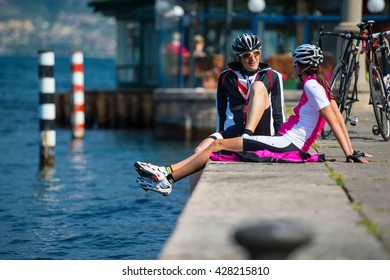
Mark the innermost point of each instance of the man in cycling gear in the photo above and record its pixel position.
(233, 98)
(234, 89)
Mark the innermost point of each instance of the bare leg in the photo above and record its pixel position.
(197, 161)
(180, 164)
(203, 145)
(258, 103)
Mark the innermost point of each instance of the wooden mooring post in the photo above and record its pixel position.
(47, 108)
(78, 116)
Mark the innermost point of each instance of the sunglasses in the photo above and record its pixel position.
(248, 55)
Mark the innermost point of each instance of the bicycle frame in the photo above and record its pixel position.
(345, 72)
(347, 67)
(379, 88)
(351, 60)
(383, 48)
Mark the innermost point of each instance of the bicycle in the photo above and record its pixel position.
(345, 73)
(379, 78)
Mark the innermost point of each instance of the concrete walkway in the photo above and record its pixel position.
(348, 218)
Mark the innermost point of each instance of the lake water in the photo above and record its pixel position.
(88, 206)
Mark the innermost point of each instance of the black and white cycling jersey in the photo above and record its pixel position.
(233, 97)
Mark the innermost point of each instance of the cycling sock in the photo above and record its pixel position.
(248, 132)
(171, 179)
(169, 169)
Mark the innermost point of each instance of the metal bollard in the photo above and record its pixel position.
(78, 114)
(272, 240)
(47, 108)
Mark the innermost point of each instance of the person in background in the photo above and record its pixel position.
(174, 47)
(171, 60)
(315, 107)
(234, 93)
(199, 46)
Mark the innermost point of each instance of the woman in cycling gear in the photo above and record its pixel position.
(234, 91)
(297, 134)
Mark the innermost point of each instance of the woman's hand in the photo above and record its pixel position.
(360, 154)
(359, 159)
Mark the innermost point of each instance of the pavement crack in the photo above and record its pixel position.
(368, 223)
(339, 181)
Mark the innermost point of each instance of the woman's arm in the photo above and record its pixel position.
(339, 130)
(340, 119)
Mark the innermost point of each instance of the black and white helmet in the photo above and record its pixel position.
(246, 42)
(307, 54)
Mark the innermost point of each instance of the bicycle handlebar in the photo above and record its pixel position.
(383, 33)
(365, 34)
(347, 35)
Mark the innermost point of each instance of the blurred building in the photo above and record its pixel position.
(155, 37)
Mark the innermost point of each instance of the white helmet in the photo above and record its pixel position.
(307, 54)
(246, 42)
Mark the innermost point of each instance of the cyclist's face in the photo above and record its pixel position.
(296, 68)
(250, 60)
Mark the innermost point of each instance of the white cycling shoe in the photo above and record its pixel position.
(148, 170)
(148, 184)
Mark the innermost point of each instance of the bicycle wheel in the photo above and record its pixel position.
(337, 84)
(379, 101)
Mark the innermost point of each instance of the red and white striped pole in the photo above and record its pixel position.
(78, 115)
(47, 109)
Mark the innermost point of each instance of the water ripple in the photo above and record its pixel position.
(88, 206)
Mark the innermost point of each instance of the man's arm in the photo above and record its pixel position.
(221, 103)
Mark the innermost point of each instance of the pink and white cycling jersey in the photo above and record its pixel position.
(303, 128)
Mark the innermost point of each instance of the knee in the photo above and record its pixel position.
(258, 85)
(198, 150)
(216, 145)
(203, 145)
(259, 88)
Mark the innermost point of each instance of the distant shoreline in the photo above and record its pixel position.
(60, 55)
